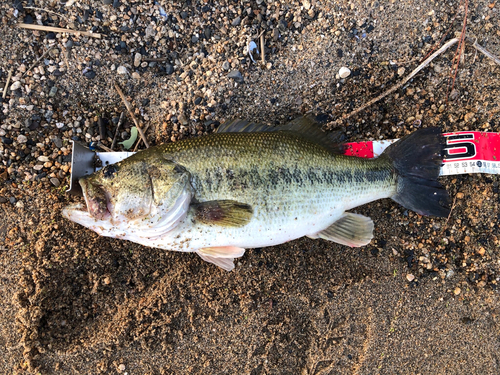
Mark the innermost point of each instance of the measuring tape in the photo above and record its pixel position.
(465, 152)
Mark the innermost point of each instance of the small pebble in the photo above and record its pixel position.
(457, 291)
(344, 72)
(136, 75)
(460, 195)
(235, 75)
(468, 116)
(137, 59)
(169, 69)
(22, 138)
(225, 65)
(55, 181)
(58, 142)
(89, 74)
(15, 86)
(410, 277)
(121, 70)
(236, 21)
(121, 367)
(6, 141)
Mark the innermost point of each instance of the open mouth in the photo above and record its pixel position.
(95, 199)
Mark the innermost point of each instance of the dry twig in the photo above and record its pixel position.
(139, 141)
(129, 109)
(38, 60)
(262, 51)
(460, 49)
(58, 30)
(113, 144)
(483, 50)
(7, 83)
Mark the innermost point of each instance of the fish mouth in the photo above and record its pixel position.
(96, 200)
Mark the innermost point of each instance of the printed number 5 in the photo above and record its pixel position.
(459, 146)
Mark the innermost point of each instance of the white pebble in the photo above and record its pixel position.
(344, 72)
(137, 59)
(15, 86)
(410, 277)
(121, 70)
(22, 138)
(136, 75)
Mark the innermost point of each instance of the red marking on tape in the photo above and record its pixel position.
(359, 149)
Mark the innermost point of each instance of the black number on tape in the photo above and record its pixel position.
(459, 147)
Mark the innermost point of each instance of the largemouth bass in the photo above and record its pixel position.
(250, 186)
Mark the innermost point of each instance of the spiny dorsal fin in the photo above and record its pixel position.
(305, 126)
(243, 126)
(224, 213)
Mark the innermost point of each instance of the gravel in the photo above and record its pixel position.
(185, 68)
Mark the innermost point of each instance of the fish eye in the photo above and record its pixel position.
(109, 171)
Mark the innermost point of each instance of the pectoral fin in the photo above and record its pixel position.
(221, 256)
(351, 229)
(224, 213)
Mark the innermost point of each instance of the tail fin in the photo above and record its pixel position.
(417, 159)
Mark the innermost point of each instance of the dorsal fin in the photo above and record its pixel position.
(305, 126)
(243, 126)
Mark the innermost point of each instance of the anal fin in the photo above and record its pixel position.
(225, 213)
(351, 229)
(221, 256)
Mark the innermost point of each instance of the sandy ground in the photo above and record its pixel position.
(75, 303)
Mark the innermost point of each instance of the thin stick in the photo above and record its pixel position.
(113, 144)
(7, 83)
(139, 142)
(483, 50)
(262, 53)
(403, 82)
(129, 109)
(38, 60)
(58, 30)
(449, 215)
(107, 149)
(460, 49)
(151, 59)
